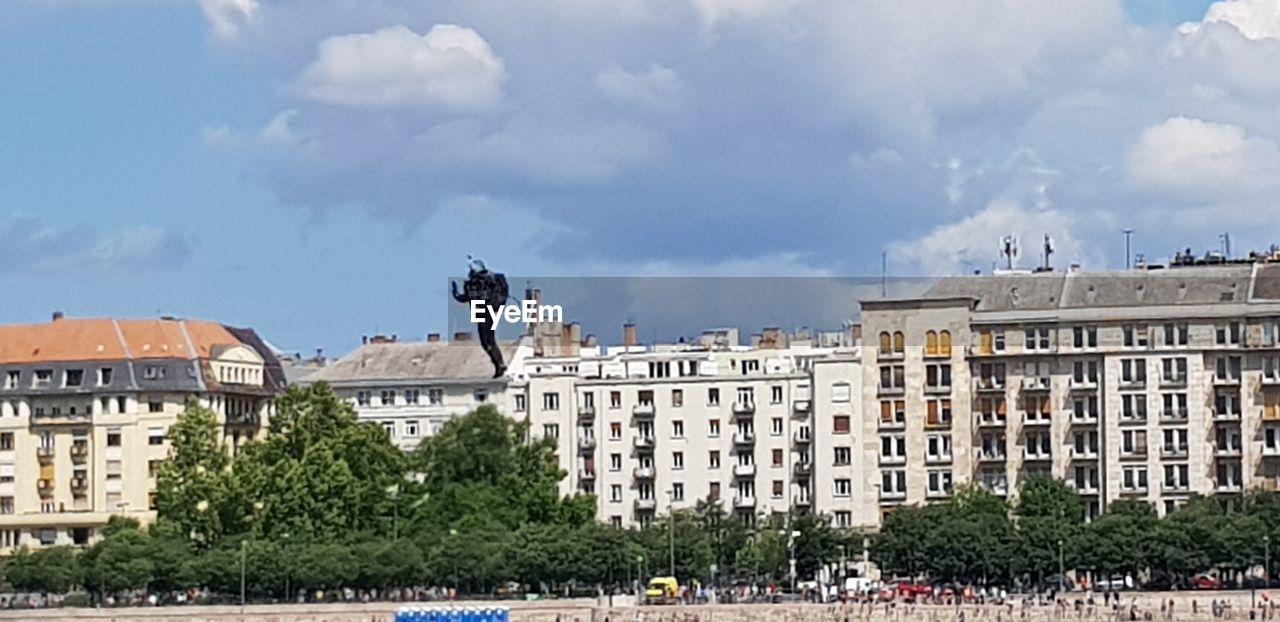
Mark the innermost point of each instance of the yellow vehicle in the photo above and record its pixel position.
(662, 591)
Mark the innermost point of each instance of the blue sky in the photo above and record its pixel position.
(317, 168)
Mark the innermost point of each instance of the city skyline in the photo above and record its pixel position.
(210, 159)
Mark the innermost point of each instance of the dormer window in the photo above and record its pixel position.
(43, 377)
(153, 372)
(73, 378)
(104, 376)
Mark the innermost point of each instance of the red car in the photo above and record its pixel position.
(914, 590)
(1205, 582)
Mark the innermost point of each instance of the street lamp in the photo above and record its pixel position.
(671, 530)
(394, 491)
(1061, 569)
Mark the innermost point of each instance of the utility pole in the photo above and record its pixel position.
(1062, 576)
(1128, 234)
(671, 530)
(243, 549)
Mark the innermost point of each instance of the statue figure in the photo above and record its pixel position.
(490, 288)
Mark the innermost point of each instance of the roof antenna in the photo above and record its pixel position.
(1226, 244)
(1128, 235)
(1009, 250)
(884, 271)
(1048, 252)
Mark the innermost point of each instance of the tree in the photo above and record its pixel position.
(122, 560)
(817, 545)
(1050, 517)
(1122, 540)
(189, 485)
(51, 570)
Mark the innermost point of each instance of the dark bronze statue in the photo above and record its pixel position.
(490, 289)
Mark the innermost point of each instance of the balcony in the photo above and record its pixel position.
(1133, 384)
(1225, 381)
(1168, 451)
(802, 500)
(79, 484)
(1035, 384)
(991, 421)
(587, 443)
(1088, 453)
(1083, 384)
(1175, 380)
(802, 469)
(802, 436)
(1028, 456)
(1272, 380)
(44, 486)
(990, 385)
(744, 501)
(744, 438)
(646, 505)
(802, 407)
(891, 391)
(45, 454)
(1227, 451)
(744, 470)
(937, 389)
(1084, 418)
(1226, 415)
(46, 418)
(587, 412)
(645, 443)
(79, 453)
(1228, 487)
(643, 410)
(895, 423)
(890, 496)
(744, 408)
(1133, 490)
(642, 473)
(1174, 415)
(892, 459)
(1270, 451)
(1032, 420)
(586, 473)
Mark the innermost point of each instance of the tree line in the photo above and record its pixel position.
(976, 537)
(325, 502)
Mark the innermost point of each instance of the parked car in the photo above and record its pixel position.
(1114, 583)
(1205, 582)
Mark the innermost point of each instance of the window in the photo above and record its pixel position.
(713, 459)
(411, 396)
(939, 482)
(481, 395)
(6, 441)
(435, 397)
(938, 413)
(677, 491)
(1083, 337)
(844, 456)
(1136, 336)
(746, 395)
(713, 427)
(551, 430)
(155, 436)
(1176, 477)
(778, 488)
(840, 424)
(677, 398)
(615, 462)
(113, 439)
(1175, 443)
(938, 447)
(6, 505)
(1227, 369)
(1038, 339)
(750, 366)
(73, 377)
(776, 456)
(43, 377)
(713, 397)
(1133, 372)
(390, 428)
(991, 376)
(387, 398)
(1175, 335)
(412, 429)
(1226, 406)
(1133, 443)
(892, 345)
(551, 401)
(615, 399)
(892, 379)
(155, 406)
(1174, 370)
(1084, 373)
(362, 398)
(1039, 445)
(938, 377)
(659, 369)
(1175, 406)
(1084, 478)
(713, 490)
(1084, 409)
(105, 376)
(1227, 334)
(893, 483)
(992, 411)
(1135, 479)
(893, 448)
(153, 372)
(1085, 444)
(677, 460)
(522, 403)
(775, 394)
(11, 379)
(677, 429)
(775, 426)
(615, 493)
(1133, 408)
(993, 446)
(843, 488)
(893, 413)
(930, 343)
(840, 392)
(615, 430)
(1037, 409)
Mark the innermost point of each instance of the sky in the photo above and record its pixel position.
(317, 169)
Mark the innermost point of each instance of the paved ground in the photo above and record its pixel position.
(586, 611)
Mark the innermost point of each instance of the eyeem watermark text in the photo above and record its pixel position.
(527, 312)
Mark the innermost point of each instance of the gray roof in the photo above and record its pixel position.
(1131, 288)
(429, 361)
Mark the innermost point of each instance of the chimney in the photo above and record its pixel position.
(319, 354)
(462, 336)
(575, 333)
(629, 335)
(58, 315)
(364, 340)
(433, 337)
(771, 337)
(534, 294)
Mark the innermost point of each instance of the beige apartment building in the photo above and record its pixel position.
(1150, 384)
(85, 405)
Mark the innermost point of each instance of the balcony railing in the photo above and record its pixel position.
(1083, 384)
(991, 385)
(1175, 380)
(991, 421)
(644, 410)
(892, 459)
(802, 436)
(646, 505)
(803, 468)
(643, 442)
(1225, 381)
(79, 483)
(1226, 415)
(801, 407)
(892, 390)
(991, 456)
(896, 423)
(642, 473)
(802, 500)
(587, 443)
(1035, 384)
(744, 470)
(587, 411)
(45, 454)
(1036, 419)
(79, 452)
(744, 501)
(744, 438)
(1168, 451)
(1227, 451)
(45, 486)
(1028, 456)
(744, 408)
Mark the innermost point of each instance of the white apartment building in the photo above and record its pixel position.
(1151, 384)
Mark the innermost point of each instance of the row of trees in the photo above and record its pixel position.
(976, 537)
(325, 502)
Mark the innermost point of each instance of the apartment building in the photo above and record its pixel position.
(1153, 384)
(85, 406)
(411, 388)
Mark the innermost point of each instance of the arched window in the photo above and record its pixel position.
(930, 343)
(944, 343)
(899, 342)
(885, 343)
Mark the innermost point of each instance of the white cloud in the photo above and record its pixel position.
(228, 17)
(713, 12)
(656, 88)
(973, 243)
(451, 66)
(1255, 19)
(28, 245)
(1207, 160)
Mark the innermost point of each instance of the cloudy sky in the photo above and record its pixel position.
(317, 168)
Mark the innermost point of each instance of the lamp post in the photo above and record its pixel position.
(1062, 578)
(394, 491)
(671, 530)
(244, 549)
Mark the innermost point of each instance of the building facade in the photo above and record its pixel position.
(85, 406)
(1149, 384)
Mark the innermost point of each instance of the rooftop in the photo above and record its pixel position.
(412, 360)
